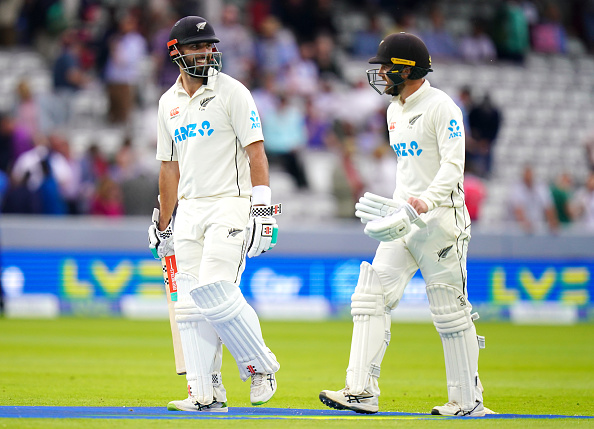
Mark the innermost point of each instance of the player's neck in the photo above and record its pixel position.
(410, 88)
(191, 84)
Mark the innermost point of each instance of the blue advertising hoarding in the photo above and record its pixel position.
(95, 283)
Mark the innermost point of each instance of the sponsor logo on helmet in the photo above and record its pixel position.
(201, 26)
(454, 129)
(174, 112)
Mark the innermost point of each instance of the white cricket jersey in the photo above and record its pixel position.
(427, 134)
(207, 134)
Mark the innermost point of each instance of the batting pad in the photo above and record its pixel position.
(237, 324)
(202, 348)
(450, 311)
(371, 333)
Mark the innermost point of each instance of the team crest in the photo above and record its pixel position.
(201, 26)
(204, 103)
(412, 120)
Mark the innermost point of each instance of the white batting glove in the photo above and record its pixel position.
(394, 225)
(160, 242)
(372, 207)
(262, 230)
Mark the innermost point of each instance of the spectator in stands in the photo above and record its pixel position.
(562, 193)
(19, 198)
(583, 204)
(589, 146)
(511, 32)
(347, 183)
(484, 120)
(285, 135)
(464, 102)
(365, 41)
(68, 76)
(318, 127)
(27, 119)
(71, 193)
(474, 194)
(237, 43)
(531, 204)
(123, 70)
(42, 167)
(549, 35)
(477, 47)
(326, 57)
(302, 75)
(107, 200)
(6, 142)
(440, 42)
(9, 15)
(166, 71)
(275, 49)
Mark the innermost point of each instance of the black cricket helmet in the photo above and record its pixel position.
(400, 50)
(190, 30)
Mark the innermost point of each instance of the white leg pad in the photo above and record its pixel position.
(451, 313)
(371, 333)
(202, 347)
(237, 324)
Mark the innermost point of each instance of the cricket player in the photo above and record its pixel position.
(425, 225)
(213, 165)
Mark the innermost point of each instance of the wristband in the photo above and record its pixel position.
(261, 195)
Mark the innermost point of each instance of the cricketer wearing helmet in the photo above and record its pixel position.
(213, 166)
(425, 225)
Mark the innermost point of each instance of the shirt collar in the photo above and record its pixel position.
(415, 95)
(179, 89)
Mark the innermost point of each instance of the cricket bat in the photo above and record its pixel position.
(169, 270)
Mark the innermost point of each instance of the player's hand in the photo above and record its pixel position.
(160, 242)
(419, 205)
(262, 230)
(372, 207)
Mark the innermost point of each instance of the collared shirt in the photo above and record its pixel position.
(207, 134)
(427, 134)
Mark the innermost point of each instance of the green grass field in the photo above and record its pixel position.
(117, 362)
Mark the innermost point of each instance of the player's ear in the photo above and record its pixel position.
(406, 72)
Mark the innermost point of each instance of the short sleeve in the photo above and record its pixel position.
(166, 150)
(244, 116)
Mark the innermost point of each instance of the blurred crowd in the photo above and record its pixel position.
(294, 55)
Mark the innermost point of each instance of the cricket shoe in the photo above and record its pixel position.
(454, 409)
(262, 389)
(191, 404)
(365, 403)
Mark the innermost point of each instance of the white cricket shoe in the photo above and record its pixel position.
(454, 409)
(191, 404)
(365, 403)
(262, 389)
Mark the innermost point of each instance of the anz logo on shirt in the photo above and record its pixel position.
(454, 129)
(255, 120)
(182, 133)
(403, 149)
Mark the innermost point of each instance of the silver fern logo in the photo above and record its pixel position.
(200, 26)
(443, 253)
(204, 102)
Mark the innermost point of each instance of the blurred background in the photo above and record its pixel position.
(79, 85)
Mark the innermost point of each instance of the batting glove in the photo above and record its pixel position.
(262, 230)
(160, 242)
